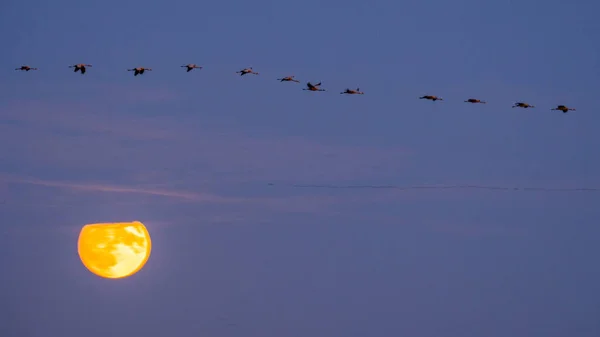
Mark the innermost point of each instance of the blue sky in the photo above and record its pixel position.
(191, 156)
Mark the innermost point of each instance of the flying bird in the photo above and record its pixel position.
(352, 92)
(473, 100)
(563, 108)
(288, 79)
(139, 70)
(431, 97)
(25, 68)
(523, 105)
(313, 87)
(80, 67)
(191, 67)
(246, 71)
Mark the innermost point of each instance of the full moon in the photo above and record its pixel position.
(114, 250)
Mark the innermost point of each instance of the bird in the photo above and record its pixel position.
(191, 67)
(25, 68)
(473, 100)
(139, 70)
(313, 87)
(80, 67)
(288, 79)
(352, 92)
(563, 108)
(523, 105)
(246, 71)
(431, 97)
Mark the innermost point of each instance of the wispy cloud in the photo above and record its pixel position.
(37, 116)
(73, 136)
(192, 196)
(91, 153)
(251, 204)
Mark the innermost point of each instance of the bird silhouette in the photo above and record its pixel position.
(313, 87)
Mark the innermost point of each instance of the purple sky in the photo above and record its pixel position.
(191, 156)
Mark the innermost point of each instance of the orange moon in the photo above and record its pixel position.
(114, 250)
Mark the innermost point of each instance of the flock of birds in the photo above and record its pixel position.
(82, 68)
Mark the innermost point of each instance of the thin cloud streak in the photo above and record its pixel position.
(84, 118)
(301, 204)
(200, 197)
(101, 138)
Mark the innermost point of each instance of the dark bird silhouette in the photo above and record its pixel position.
(139, 70)
(473, 100)
(246, 71)
(431, 97)
(313, 87)
(25, 68)
(80, 67)
(523, 105)
(352, 92)
(191, 67)
(288, 79)
(563, 108)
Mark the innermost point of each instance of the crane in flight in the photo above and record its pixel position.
(563, 108)
(313, 87)
(288, 79)
(523, 105)
(81, 67)
(352, 92)
(25, 68)
(431, 98)
(139, 70)
(246, 71)
(191, 67)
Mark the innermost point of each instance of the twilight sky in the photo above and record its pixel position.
(191, 155)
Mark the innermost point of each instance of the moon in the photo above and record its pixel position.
(114, 250)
